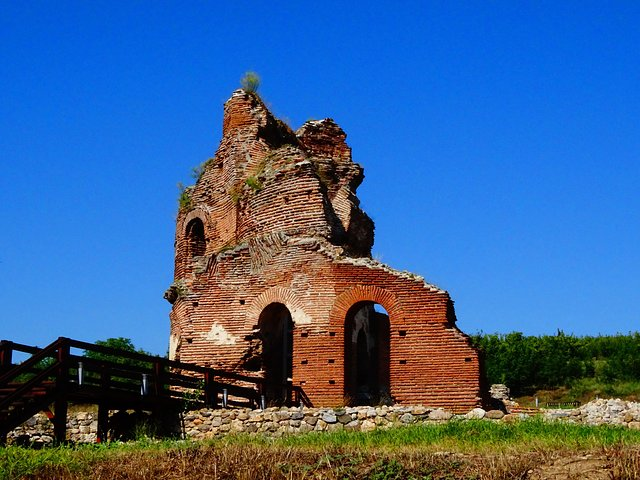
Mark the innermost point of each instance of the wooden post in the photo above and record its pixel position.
(262, 394)
(103, 422)
(289, 393)
(158, 371)
(60, 419)
(103, 406)
(295, 393)
(210, 389)
(6, 354)
(104, 380)
(62, 386)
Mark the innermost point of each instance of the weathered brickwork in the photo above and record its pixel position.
(274, 276)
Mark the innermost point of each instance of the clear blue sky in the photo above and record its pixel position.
(500, 141)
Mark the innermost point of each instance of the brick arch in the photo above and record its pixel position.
(203, 215)
(278, 295)
(363, 293)
(384, 381)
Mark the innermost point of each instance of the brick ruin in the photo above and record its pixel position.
(274, 276)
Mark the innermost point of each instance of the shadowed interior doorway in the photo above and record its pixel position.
(276, 333)
(366, 350)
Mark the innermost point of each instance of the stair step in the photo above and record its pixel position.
(31, 395)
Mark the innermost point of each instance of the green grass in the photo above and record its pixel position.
(17, 462)
(468, 437)
(475, 436)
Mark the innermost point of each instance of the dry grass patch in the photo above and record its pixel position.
(473, 450)
(249, 462)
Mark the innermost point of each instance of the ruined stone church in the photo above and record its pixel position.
(274, 276)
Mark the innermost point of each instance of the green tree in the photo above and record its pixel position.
(120, 343)
(560, 360)
(526, 363)
(623, 359)
(510, 359)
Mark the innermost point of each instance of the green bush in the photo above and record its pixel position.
(527, 363)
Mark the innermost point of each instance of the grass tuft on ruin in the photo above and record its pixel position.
(250, 82)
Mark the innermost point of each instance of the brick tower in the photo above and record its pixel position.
(274, 276)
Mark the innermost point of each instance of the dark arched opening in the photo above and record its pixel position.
(276, 335)
(366, 355)
(196, 241)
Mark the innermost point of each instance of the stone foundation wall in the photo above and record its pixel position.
(208, 423)
(275, 421)
(601, 412)
(82, 427)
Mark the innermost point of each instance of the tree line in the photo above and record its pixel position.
(529, 363)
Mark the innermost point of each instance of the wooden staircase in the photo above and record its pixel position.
(56, 375)
(19, 407)
(26, 389)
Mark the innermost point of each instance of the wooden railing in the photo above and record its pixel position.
(120, 379)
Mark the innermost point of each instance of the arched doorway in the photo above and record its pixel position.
(196, 240)
(366, 355)
(276, 336)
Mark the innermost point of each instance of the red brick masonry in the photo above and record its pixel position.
(274, 219)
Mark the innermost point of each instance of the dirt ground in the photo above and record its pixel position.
(601, 465)
(583, 466)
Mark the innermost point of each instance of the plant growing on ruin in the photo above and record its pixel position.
(184, 197)
(181, 288)
(196, 172)
(235, 193)
(262, 165)
(178, 289)
(193, 397)
(254, 183)
(250, 82)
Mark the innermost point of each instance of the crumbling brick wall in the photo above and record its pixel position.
(274, 219)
